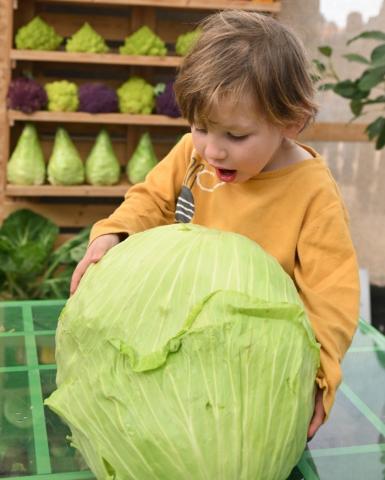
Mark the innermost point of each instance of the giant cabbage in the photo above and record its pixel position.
(186, 354)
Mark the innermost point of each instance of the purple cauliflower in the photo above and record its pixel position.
(26, 95)
(166, 102)
(96, 97)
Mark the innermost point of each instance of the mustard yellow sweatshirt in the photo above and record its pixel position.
(296, 214)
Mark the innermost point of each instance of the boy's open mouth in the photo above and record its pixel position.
(226, 175)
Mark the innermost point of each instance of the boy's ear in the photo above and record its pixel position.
(292, 130)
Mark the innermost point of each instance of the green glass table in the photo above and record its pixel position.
(33, 444)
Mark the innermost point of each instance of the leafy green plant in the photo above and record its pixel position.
(30, 268)
(365, 90)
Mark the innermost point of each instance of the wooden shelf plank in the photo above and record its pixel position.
(118, 190)
(272, 6)
(335, 132)
(99, 58)
(101, 118)
(323, 132)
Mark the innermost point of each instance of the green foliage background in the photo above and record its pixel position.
(363, 91)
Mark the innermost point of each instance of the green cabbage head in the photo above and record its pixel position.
(142, 161)
(65, 166)
(186, 354)
(102, 165)
(26, 165)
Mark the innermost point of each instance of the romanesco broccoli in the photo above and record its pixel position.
(86, 40)
(136, 96)
(143, 42)
(62, 96)
(37, 35)
(186, 41)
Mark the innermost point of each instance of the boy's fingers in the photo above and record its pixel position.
(76, 276)
(318, 417)
(94, 253)
(81, 269)
(314, 425)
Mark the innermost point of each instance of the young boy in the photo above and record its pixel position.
(246, 90)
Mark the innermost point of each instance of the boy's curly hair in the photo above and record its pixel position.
(240, 53)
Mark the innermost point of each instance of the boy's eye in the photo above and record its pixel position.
(236, 137)
(200, 130)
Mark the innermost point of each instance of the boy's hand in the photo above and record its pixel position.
(98, 248)
(318, 415)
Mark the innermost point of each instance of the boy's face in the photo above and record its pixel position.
(238, 142)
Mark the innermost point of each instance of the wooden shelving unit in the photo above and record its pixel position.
(98, 118)
(68, 191)
(94, 58)
(77, 206)
(272, 6)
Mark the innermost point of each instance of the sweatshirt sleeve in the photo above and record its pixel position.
(151, 203)
(328, 282)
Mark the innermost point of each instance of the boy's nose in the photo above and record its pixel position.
(215, 152)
